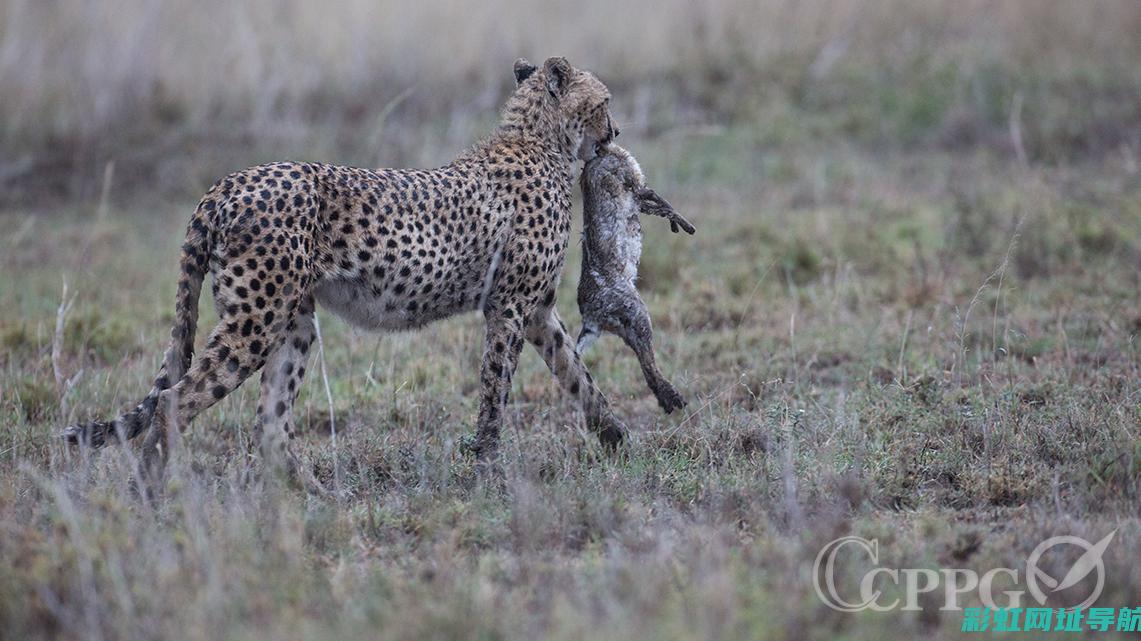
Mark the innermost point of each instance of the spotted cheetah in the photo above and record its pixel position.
(614, 195)
(385, 249)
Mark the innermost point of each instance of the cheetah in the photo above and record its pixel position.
(614, 194)
(385, 249)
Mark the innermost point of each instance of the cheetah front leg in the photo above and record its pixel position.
(549, 335)
(501, 349)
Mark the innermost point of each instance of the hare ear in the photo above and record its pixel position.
(523, 70)
(558, 72)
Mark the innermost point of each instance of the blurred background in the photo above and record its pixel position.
(176, 94)
(910, 312)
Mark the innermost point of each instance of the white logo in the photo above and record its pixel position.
(956, 582)
(1088, 562)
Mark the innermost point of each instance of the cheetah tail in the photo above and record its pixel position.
(193, 264)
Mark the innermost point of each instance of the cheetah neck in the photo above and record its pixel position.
(535, 119)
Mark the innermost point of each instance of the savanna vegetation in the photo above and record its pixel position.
(910, 312)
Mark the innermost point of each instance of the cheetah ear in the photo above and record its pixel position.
(558, 75)
(523, 70)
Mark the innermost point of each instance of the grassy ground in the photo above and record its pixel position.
(933, 349)
(910, 313)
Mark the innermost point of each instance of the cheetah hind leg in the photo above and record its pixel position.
(223, 366)
(239, 345)
(274, 432)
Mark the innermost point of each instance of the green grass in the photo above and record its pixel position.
(355, 82)
(935, 349)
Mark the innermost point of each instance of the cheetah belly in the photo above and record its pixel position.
(359, 305)
(375, 306)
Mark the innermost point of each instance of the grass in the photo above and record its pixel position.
(884, 381)
(892, 321)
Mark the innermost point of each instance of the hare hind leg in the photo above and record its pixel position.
(634, 327)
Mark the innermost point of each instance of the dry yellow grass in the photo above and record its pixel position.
(77, 67)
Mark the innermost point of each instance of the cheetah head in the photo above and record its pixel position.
(574, 102)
